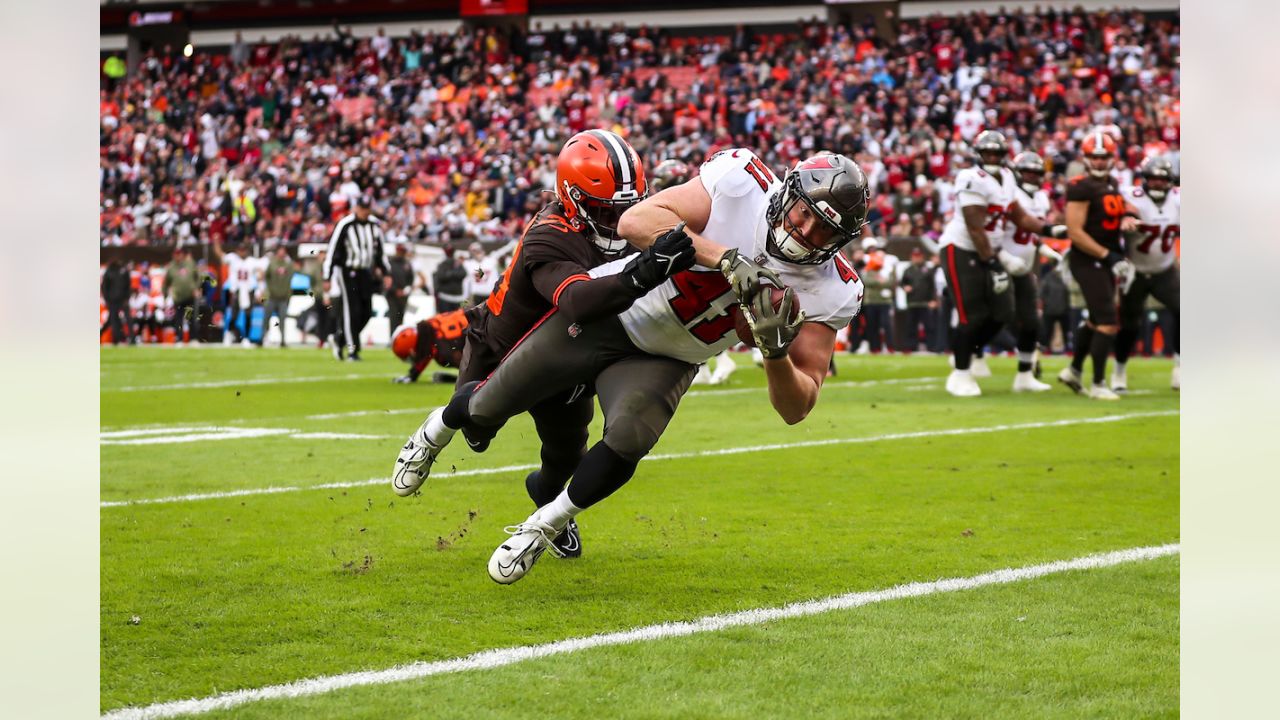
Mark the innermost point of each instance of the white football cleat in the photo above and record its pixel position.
(961, 384)
(516, 556)
(1072, 379)
(413, 465)
(1119, 379)
(978, 366)
(757, 357)
(1102, 392)
(703, 377)
(1027, 382)
(724, 368)
(1175, 379)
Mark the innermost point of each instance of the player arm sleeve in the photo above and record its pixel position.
(581, 297)
(418, 367)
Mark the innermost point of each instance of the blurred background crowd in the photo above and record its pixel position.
(453, 136)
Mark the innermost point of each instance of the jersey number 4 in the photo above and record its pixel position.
(1153, 233)
(697, 292)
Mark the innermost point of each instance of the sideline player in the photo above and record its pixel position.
(1151, 250)
(1096, 217)
(986, 215)
(758, 232)
(438, 338)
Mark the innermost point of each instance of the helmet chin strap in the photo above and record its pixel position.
(788, 245)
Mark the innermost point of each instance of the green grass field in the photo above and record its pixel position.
(205, 592)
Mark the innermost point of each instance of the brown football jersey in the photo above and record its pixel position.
(560, 256)
(1106, 208)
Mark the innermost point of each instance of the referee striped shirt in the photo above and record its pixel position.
(356, 245)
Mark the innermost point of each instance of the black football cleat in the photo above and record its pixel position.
(569, 542)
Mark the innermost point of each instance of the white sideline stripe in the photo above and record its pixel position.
(208, 435)
(237, 383)
(362, 413)
(424, 410)
(490, 659)
(337, 436)
(661, 456)
(215, 432)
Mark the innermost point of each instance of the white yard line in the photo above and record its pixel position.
(424, 410)
(668, 456)
(490, 659)
(237, 383)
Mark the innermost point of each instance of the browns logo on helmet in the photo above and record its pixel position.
(599, 176)
(1099, 151)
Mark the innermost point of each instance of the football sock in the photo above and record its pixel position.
(1099, 349)
(601, 472)
(1080, 348)
(542, 490)
(438, 431)
(1027, 348)
(963, 346)
(458, 412)
(1125, 340)
(559, 511)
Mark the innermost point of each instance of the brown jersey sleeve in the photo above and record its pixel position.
(558, 268)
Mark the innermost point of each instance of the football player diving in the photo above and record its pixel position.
(749, 232)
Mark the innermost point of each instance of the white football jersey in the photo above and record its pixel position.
(688, 316)
(1152, 248)
(975, 186)
(1023, 242)
(239, 271)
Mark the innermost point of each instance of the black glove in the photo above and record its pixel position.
(404, 379)
(1112, 257)
(671, 253)
(744, 275)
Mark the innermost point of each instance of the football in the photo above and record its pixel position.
(740, 320)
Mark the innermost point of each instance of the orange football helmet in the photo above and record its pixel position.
(1099, 150)
(599, 176)
(404, 341)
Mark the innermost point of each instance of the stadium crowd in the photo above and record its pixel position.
(454, 136)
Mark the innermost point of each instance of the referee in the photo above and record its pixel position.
(353, 264)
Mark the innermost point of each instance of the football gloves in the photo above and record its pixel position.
(1049, 254)
(1013, 264)
(671, 253)
(770, 328)
(1058, 232)
(744, 275)
(997, 276)
(1125, 272)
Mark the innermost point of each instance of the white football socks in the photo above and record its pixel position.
(558, 512)
(437, 432)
